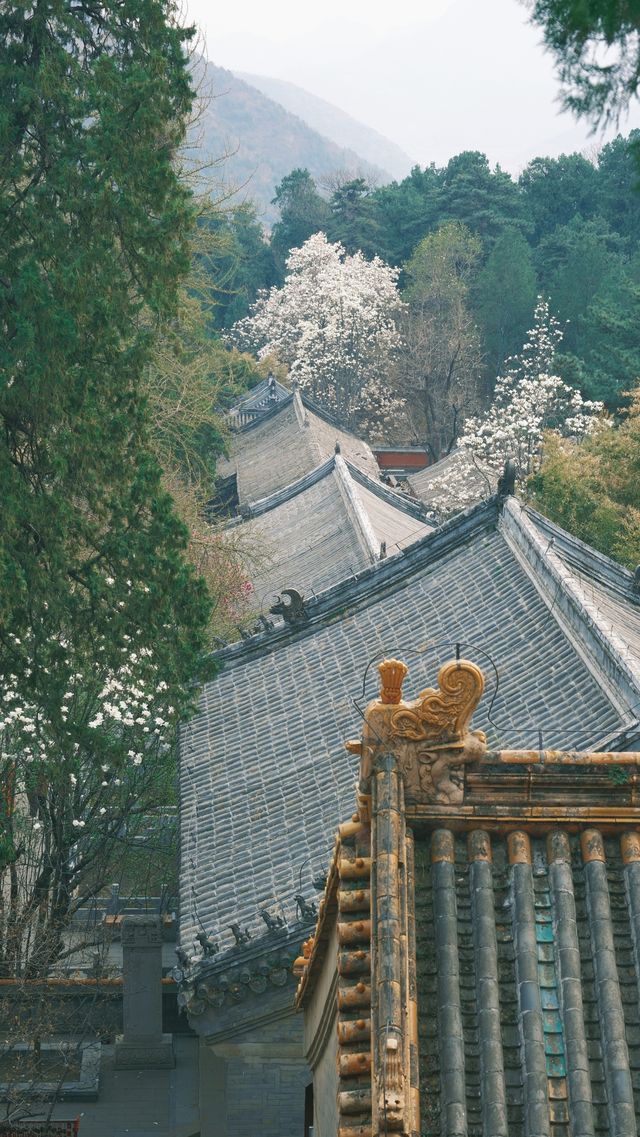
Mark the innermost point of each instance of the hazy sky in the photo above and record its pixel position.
(436, 77)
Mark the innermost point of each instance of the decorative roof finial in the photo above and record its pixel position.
(292, 612)
(209, 946)
(241, 936)
(307, 910)
(392, 673)
(507, 479)
(274, 923)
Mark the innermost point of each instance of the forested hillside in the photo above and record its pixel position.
(260, 141)
(567, 228)
(333, 123)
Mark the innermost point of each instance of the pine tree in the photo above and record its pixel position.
(102, 621)
(505, 297)
(303, 212)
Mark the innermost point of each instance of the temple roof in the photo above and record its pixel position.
(457, 470)
(605, 587)
(325, 528)
(286, 443)
(564, 915)
(524, 969)
(264, 774)
(256, 402)
(485, 905)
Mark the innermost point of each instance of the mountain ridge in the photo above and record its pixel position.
(258, 141)
(333, 123)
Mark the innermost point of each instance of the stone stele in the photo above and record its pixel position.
(143, 1046)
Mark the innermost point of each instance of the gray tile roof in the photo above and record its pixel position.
(324, 528)
(258, 396)
(256, 403)
(534, 970)
(427, 484)
(264, 775)
(285, 444)
(606, 587)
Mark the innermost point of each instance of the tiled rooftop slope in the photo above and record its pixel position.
(325, 528)
(285, 444)
(507, 957)
(256, 402)
(264, 774)
(427, 484)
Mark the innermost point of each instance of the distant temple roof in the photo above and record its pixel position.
(264, 774)
(326, 527)
(430, 484)
(286, 443)
(257, 402)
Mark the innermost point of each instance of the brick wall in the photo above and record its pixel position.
(255, 1083)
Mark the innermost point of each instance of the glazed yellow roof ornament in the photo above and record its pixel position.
(430, 735)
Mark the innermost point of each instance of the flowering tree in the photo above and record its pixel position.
(103, 621)
(92, 693)
(528, 401)
(333, 323)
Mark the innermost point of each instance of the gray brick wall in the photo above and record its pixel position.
(254, 1084)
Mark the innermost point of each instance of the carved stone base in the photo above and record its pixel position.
(156, 1054)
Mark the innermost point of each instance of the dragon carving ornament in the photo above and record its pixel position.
(430, 736)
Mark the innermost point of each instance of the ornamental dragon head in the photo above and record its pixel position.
(430, 736)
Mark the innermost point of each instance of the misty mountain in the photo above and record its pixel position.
(334, 123)
(254, 142)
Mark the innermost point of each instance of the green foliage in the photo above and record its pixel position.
(233, 262)
(573, 264)
(619, 187)
(597, 47)
(406, 211)
(485, 200)
(303, 212)
(505, 296)
(445, 259)
(555, 190)
(592, 488)
(94, 578)
(609, 342)
(353, 222)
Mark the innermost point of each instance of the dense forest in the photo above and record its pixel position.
(567, 228)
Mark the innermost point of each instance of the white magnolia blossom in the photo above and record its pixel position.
(529, 399)
(34, 740)
(334, 323)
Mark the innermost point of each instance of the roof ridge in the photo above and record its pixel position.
(258, 388)
(305, 426)
(543, 562)
(409, 505)
(316, 409)
(271, 413)
(279, 497)
(612, 571)
(357, 511)
(378, 579)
